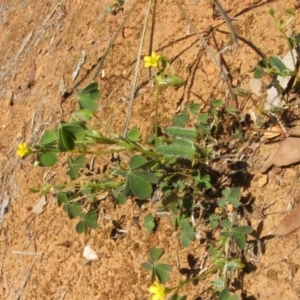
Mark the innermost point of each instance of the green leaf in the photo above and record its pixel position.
(171, 198)
(147, 266)
(141, 188)
(258, 73)
(178, 297)
(203, 118)
(297, 38)
(47, 159)
(240, 239)
(74, 166)
(226, 234)
(137, 161)
(213, 223)
(185, 241)
(234, 265)
(133, 135)
(149, 223)
(77, 128)
(185, 133)
(221, 202)
(219, 283)
(232, 196)
(83, 114)
(193, 108)
(48, 138)
(68, 133)
(88, 97)
(120, 197)
(189, 231)
(180, 148)
(290, 11)
(81, 227)
(90, 219)
(271, 12)
(156, 254)
(162, 271)
(224, 295)
(187, 235)
(72, 209)
(65, 140)
(174, 80)
(205, 181)
(226, 223)
(277, 63)
(181, 119)
(62, 197)
(218, 103)
(147, 176)
(243, 229)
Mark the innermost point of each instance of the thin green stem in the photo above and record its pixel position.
(106, 127)
(211, 271)
(158, 89)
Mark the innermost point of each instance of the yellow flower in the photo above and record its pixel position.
(158, 290)
(151, 61)
(23, 150)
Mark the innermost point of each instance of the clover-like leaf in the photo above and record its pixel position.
(88, 97)
(90, 219)
(68, 133)
(149, 223)
(82, 114)
(74, 166)
(133, 134)
(181, 119)
(47, 159)
(162, 272)
(48, 138)
(156, 254)
(72, 209)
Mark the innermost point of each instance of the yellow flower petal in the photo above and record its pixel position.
(151, 61)
(158, 290)
(23, 150)
(156, 297)
(153, 289)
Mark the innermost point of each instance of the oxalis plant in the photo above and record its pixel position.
(223, 260)
(172, 163)
(273, 66)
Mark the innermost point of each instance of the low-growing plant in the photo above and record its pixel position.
(224, 259)
(174, 160)
(273, 66)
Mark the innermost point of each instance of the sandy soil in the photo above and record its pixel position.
(40, 44)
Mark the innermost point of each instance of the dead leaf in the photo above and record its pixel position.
(262, 180)
(272, 132)
(288, 153)
(39, 207)
(290, 223)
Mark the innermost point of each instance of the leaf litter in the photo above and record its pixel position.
(287, 154)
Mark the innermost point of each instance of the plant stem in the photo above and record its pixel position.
(211, 271)
(106, 127)
(156, 115)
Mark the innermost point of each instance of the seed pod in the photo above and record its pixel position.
(174, 80)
